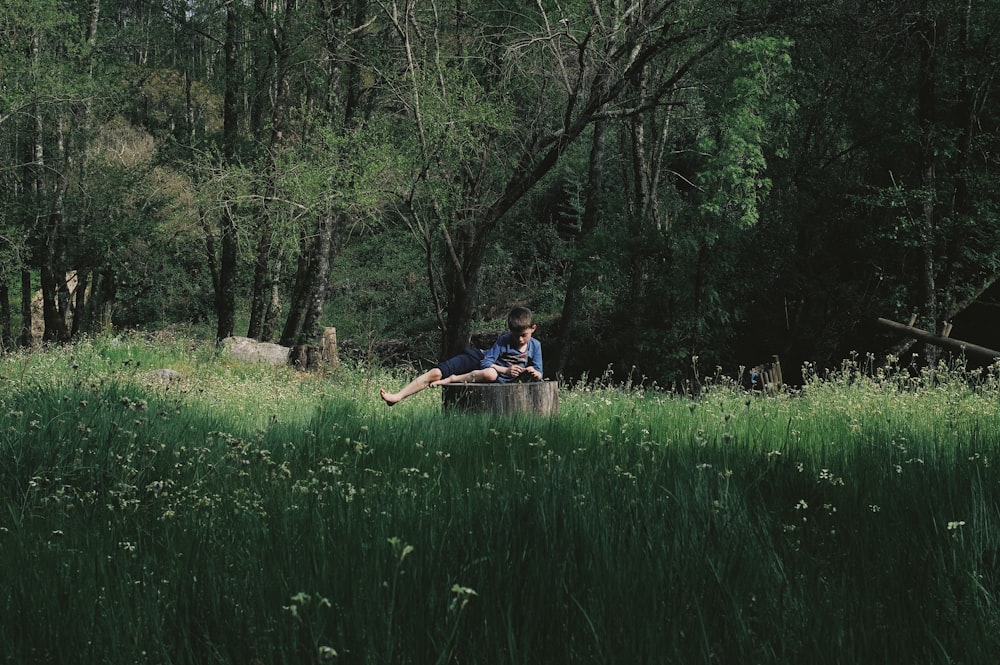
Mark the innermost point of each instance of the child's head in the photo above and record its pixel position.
(519, 319)
(521, 324)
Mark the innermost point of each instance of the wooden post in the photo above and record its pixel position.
(328, 348)
(537, 397)
(773, 380)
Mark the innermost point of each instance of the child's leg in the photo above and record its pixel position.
(488, 375)
(414, 386)
(462, 363)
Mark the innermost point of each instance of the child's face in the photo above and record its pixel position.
(522, 336)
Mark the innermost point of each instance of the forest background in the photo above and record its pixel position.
(660, 180)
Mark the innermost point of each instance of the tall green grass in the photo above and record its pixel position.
(257, 515)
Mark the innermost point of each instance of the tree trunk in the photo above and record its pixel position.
(25, 338)
(297, 302)
(966, 120)
(309, 291)
(636, 208)
(646, 138)
(270, 83)
(461, 285)
(50, 270)
(320, 278)
(261, 66)
(535, 397)
(273, 309)
(261, 280)
(49, 231)
(55, 325)
(225, 297)
(93, 17)
(101, 300)
(80, 322)
(589, 223)
(211, 252)
(6, 331)
(698, 297)
(926, 112)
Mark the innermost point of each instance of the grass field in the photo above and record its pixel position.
(248, 514)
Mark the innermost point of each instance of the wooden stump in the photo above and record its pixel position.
(537, 397)
(328, 348)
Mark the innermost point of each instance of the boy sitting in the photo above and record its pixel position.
(515, 356)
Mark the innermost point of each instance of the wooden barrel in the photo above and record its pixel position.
(537, 397)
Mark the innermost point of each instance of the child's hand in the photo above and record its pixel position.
(535, 374)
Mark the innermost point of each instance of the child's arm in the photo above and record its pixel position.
(491, 355)
(535, 359)
(492, 358)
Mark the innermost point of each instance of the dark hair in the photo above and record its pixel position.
(519, 319)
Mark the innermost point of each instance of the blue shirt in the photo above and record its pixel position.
(505, 353)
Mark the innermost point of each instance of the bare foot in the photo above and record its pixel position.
(390, 398)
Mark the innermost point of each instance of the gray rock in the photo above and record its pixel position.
(250, 350)
(164, 375)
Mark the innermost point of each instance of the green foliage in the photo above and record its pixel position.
(789, 198)
(12, 247)
(346, 171)
(380, 300)
(454, 124)
(163, 96)
(752, 114)
(138, 223)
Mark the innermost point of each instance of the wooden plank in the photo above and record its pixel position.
(944, 342)
(538, 397)
(771, 373)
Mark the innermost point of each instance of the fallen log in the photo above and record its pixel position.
(937, 340)
(536, 397)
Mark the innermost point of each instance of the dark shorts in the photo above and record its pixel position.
(467, 361)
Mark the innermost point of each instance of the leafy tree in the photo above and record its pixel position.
(887, 206)
(689, 178)
(11, 250)
(495, 98)
(333, 140)
(50, 78)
